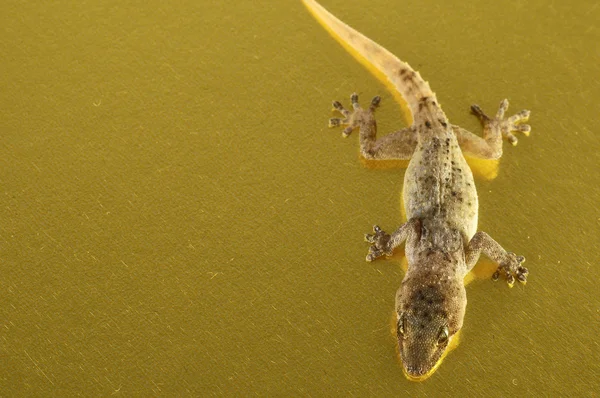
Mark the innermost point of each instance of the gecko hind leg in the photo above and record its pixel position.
(504, 125)
(494, 129)
(397, 145)
(355, 118)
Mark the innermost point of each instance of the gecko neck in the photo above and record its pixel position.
(432, 265)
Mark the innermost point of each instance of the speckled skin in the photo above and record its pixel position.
(441, 240)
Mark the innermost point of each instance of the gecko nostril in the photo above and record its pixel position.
(415, 370)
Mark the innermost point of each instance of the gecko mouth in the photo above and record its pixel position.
(422, 372)
(417, 363)
(414, 373)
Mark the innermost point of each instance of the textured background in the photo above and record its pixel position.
(175, 217)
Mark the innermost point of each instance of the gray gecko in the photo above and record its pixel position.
(441, 240)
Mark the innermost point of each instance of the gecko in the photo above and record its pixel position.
(440, 237)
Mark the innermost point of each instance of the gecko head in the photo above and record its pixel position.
(429, 315)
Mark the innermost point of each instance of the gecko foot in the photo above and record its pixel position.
(512, 267)
(380, 244)
(352, 119)
(506, 125)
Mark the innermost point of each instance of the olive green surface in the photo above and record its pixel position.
(176, 218)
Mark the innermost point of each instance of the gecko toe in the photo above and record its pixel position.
(337, 105)
(511, 139)
(335, 122)
(523, 270)
(522, 116)
(374, 253)
(477, 111)
(510, 280)
(354, 100)
(522, 273)
(501, 109)
(523, 128)
(496, 275)
(375, 103)
(347, 131)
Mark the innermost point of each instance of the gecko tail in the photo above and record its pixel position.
(389, 69)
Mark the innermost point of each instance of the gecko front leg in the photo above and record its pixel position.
(494, 129)
(384, 244)
(398, 145)
(508, 263)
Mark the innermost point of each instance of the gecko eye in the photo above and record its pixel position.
(443, 336)
(401, 328)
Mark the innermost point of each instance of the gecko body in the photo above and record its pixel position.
(440, 235)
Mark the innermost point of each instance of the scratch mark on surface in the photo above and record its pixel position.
(51, 238)
(37, 367)
(479, 363)
(177, 75)
(213, 274)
